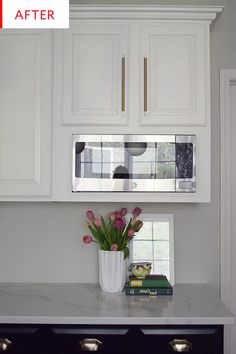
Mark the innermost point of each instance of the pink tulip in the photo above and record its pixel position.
(86, 224)
(119, 223)
(97, 222)
(118, 214)
(114, 247)
(90, 215)
(133, 221)
(137, 211)
(112, 216)
(123, 212)
(87, 239)
(131, 233)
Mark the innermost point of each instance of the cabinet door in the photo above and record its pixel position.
(20, 340)
(106, 340)
(94, 74)
(174, 75)
(204, 340)
(25, 113)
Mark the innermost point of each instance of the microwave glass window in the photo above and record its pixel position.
(166, 152)
(165, 170)
(112, 160)
(150, 165)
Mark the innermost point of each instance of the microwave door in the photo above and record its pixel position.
(111, 163)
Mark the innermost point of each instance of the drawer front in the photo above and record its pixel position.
(193, 341)
(19, 341)
(103, 340)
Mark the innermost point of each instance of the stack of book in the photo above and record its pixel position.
(155, 284)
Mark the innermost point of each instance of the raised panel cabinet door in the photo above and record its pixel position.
(20, 340)
(105, 340)
(174, 74)
(174, 339)
(95, 60)
(25, 113)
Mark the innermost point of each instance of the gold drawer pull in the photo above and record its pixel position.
(145, 84)
(90, 345)
(123, 85)
(180, 345)
(4, 344)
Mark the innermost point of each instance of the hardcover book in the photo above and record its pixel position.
(148, 291)
(151, 281)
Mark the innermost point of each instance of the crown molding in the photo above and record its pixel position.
(205, 13)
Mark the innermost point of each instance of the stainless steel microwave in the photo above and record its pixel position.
(134, 163)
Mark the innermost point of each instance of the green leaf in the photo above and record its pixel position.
(126, 252)
(125, 237)
(106, 231)
(106, 246)
(93, 232)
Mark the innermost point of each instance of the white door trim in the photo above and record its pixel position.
(226, 78)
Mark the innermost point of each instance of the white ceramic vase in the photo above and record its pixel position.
(112, 271)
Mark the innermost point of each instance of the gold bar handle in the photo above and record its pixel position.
(90, 345)
(123, 85)
(180, 345)
(145, 85)
(4, 344)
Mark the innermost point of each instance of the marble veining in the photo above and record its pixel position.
(87, 304)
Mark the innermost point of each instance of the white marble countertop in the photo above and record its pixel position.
(87, 304)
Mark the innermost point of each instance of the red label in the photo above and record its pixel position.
(1, 13)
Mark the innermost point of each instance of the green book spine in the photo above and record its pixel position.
(148, 291)
(149, 283)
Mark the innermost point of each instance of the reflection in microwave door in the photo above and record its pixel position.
(121, 172)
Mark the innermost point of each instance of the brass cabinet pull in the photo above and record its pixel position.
(180, 345)
(90, 345)
(4, 344)
(123, 85)
(145, 85)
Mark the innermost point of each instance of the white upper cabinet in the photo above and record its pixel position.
(174, 71)
(25, 113)
(94, 61)
(140, 70)
(134, 69)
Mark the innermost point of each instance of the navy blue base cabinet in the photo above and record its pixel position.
(112, 339)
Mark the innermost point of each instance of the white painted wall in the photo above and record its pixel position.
(42, 242)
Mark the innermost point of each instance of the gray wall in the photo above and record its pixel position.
(42, 241)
